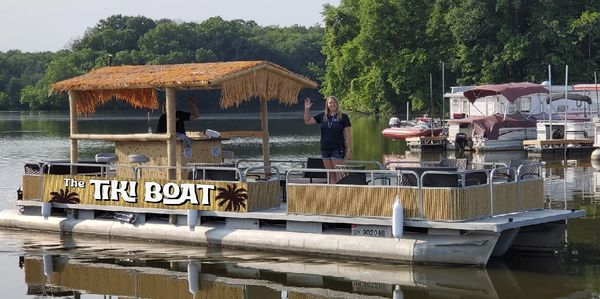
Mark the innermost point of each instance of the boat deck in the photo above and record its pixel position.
(497, 223)
(427, 142)
(558, 146)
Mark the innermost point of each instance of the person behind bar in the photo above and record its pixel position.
(336, 135)
(180, 117)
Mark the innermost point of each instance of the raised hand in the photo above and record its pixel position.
(308, 104)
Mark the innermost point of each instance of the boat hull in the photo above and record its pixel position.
(403, 133)
(468, 249)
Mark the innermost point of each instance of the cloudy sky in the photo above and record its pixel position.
(49, 25)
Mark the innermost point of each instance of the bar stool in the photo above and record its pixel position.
(106, 158)
(138, 159)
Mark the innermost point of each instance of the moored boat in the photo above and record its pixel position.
(498, 131)
(401, 130)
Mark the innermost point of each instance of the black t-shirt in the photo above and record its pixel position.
(332, 131)
(180, 117)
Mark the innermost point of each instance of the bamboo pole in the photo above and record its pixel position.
(171, 144)
(121, 137)
(264, 125)
(73, 98)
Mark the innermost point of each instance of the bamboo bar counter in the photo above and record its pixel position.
(204, 150)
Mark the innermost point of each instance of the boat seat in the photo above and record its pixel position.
(318, 164)
(476, 178)
(409, 179)
(137, 158)
(459, 164)
(441, 180)
(530, 170)
(212, 174)
(351, 178)
(106, 157)
(43, 167)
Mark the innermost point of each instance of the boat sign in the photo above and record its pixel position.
(372, 231)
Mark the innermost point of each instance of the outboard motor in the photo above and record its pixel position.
(394, 122)
(461, 140)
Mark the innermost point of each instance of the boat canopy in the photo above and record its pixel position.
(137, 84)
(570, 96)
(239, 81)
(511, 91)
(489, 126)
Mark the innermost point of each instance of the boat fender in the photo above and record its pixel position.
(192, 218)
(398, 293)
(48, 265)
(46, 209)
(397, 219)
(193, 285)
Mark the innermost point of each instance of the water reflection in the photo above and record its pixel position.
(58, 266)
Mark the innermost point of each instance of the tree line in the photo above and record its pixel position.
(375, 55)
(380, 53)
(25, 78)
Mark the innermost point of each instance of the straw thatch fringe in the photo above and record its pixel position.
(138, 98)
(262, 84)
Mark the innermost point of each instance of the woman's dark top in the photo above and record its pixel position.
(332, 131)
(180, 117)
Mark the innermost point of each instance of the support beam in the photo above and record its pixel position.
(264, 126)
(73, 98)
(171, 145)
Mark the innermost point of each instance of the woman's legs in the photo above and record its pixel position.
(330, 160)
(329, 165)
(335, 162)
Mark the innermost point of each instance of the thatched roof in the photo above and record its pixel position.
(136, 84)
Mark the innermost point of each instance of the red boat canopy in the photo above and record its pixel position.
(511, 91)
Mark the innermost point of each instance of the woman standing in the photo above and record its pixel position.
(336, 136)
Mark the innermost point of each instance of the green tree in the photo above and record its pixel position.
(115, 33)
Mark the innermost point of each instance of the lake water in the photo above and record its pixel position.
(81, 267)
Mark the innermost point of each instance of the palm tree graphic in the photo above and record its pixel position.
(63, 196)
(233, 197)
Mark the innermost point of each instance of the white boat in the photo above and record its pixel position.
(495, 132)
(560, 124)
(498, 131)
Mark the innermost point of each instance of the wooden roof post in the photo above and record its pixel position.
(264, 125)
(73, 98)
(171, 143)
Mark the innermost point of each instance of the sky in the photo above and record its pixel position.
(49, 25)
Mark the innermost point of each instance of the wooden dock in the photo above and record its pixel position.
(425, 143)
(558, 146)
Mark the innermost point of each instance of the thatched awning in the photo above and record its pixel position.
(136, 84)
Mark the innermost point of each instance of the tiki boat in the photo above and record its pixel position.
(150, 189)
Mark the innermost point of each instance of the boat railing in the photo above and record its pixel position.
(371, 176)
(285, 165)
(101, 169)
(468, 194)
(271, 173)
(282, 164)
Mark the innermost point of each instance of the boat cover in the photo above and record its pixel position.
(570, 96)
(511, 91)
(489, 126)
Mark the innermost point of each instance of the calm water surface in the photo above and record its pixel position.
(98, 268)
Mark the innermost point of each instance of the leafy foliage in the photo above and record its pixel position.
(26, 77)
(379, 54)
